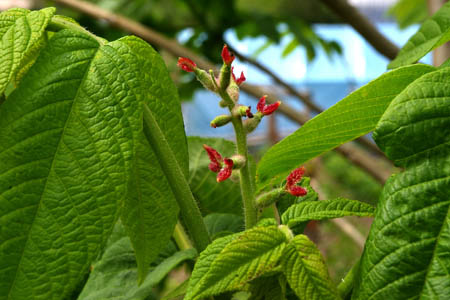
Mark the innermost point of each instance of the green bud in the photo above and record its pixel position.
(240, 110)
(205, 79)
(233, 91)
(251, 124)
(269, 198)
(287, 232)
(225, 77)
(238, 161)
(220, 121)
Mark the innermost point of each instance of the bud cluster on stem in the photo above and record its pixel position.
(227, 87)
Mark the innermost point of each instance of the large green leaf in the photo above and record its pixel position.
(22, 35)
(66, 150)
(243, 259)
(222, 197)
(409, 12)
(268, 288)
(433, 33)
(150, 210)
(221, 224)
(327, 209)
(407, 251)
(115, 276)
(306, 271)
(353, 116)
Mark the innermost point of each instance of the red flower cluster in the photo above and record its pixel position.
(266, 109)
(293, 179)
(222, 166)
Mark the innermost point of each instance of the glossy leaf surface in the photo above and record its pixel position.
(434, 32)
(353, 116)
(406, 255)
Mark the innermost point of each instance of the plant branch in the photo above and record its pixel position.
(181, 238)
(360, 23)
(174, 48)
(248, 198)
(177, 181)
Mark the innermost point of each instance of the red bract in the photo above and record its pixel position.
(222, 166)
(226, 171)
(227, 56)
(239, 80)
(266, 109)
(293, 179)
(215, 158)
(186, 64)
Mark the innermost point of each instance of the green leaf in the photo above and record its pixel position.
(218, 224)
(150, 211)
(22, 35)
(353, 116)
(409, 12)
(115, 276)
(433, 33)
(222, 197)
(327, 209)
(268, 288)
(407, 251)
(204, 262)
(306, 271)
(233, 267)
(66, 147)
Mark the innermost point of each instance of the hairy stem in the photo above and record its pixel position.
(346, 286)
(245, 178)
(178, 183)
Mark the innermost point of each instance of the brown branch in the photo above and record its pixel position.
(360, 23)
(174, 48)
(305, 98)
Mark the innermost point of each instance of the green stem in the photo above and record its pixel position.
(346, 286)
(181, 238)
(245, 178)
(177, 181)
(60, 22)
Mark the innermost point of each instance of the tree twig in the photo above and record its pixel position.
(360, 23)
(174, 48)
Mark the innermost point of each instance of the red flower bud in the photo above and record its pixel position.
(292, 180)
(266, 109)
(227, 56)
(226, 171)
(239, 80)
(186, 64)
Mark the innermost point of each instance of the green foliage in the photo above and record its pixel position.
(306, 271)
(353, 116)
(224, 197)
(232, 268)
(22, 36)
(411, 230)
(433, 33)
(115, 275)
(223, 224)
(327, 209)
(150, 211)
(409, 12)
